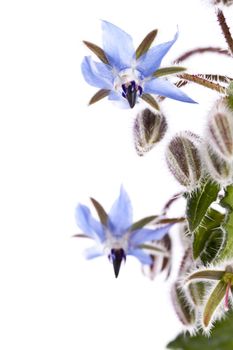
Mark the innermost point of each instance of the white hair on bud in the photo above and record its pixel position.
(219, 136)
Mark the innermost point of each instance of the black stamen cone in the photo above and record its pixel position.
(117, 256)
(131, 95)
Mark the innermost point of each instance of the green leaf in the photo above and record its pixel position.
(209, 238)
(199, 201)
(167, 71)
(213, 302)
(102, 93)
(146, 43)
(151, 101)
(220, 339)
(227, 203)
(205, 222)
(141, 223)
(100, 211)
(206, 275)
(97, 51)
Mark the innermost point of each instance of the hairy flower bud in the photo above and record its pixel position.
(197, 293)
(218, 168)
(224, 2)
(219, 131)
(183, 309)
(183, 159)
(149, 128)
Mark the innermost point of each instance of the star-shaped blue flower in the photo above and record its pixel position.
(124, 75)
(115, 234)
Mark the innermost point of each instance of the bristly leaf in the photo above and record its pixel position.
(151, 101)
(227, 203)
(199, 202)
(100, 211)
(97, 51)
(141, 223)
(206, 275)
(214, 300)
(146, 43)
(102, 93)
(209, 238)
(221, 338)
(167, 71)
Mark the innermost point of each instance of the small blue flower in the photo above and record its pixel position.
(123, 75)
(115, 234)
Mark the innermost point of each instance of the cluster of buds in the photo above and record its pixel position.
(189, 157)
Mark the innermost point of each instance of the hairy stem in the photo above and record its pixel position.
(225, 29)
(198, 50)
(201, 81)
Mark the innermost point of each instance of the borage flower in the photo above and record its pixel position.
(115, 234)
(124, 75)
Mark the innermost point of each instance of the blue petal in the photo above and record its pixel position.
(163, 87)
(118, 46)
(121, 101)
(92, 253)
(146, 235)
(97, 74)
(143, 257)
(151, 60)
(88, 224)
(120, 216)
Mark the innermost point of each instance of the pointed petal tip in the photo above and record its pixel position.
(117, 256)
(116, 272)
(190, 100)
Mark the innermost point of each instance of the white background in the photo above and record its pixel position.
(56, 151)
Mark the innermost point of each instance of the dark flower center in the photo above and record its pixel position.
(130, 91)
(116, 256)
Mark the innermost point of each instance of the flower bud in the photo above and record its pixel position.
(183, 159)
(197, 292)
(224, 2)
(160, 263)
(149, 128)
(218, 168)
(183, 309)
(219, 131)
